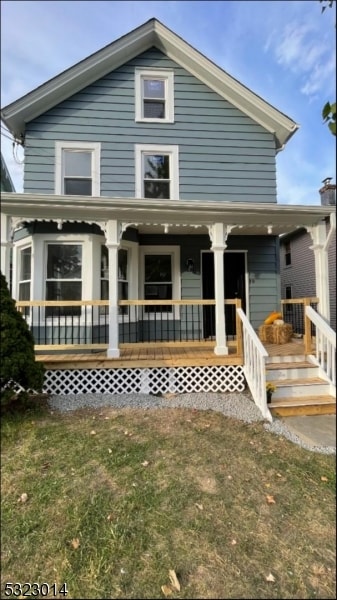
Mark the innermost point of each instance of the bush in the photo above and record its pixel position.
(17, 357)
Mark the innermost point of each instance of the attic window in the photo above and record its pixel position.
(154, 96)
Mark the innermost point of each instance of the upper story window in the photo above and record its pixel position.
(157, 171)
(77, 170)
(154, 96)
(287, 254)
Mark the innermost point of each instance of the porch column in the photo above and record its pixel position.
(218, 237)
(318, 235)
(6, 245)
(112, 235)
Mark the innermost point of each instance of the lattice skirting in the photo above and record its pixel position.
(145, 381)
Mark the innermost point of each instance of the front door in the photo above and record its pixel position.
(234, 284)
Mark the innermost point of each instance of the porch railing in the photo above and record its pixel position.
(294, 313)
(85, 324)
(325, 347)
(254, 365)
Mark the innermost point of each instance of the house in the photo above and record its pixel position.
(149, 219)
(297, 260)
(6, 180)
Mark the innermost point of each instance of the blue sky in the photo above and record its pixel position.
(283, 51)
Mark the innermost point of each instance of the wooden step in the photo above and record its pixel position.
(290, 365)
(303, 405)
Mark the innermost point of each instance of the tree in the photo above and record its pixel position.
(18, 368)
(329, 110)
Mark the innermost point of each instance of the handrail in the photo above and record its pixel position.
(254, 365)
(325, 347)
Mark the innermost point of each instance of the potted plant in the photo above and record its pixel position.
(270, 389)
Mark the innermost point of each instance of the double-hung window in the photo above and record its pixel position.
(77, 171)
(25, 270)
(154, 95)
(64, 277)
(157, 171)
(123, 276)
(160, 266)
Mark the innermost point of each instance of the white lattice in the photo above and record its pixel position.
(145, 381)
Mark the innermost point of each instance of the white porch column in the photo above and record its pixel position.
(6, 245)
(112, 234)
(218, 236)
(318, 235)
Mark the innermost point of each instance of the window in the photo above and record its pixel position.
(288, 292)
(160, 275)
(287, 254)
(154, 96)
(77, 169)
(25, 277)
(123, 284)
(289, 295)
(64, 277)
(157, 171)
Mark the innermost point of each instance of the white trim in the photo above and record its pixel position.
(168, 76)
(174, 252)
(172, 151)
(94, 147)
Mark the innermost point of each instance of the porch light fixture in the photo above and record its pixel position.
(166, 228)
(270, 229)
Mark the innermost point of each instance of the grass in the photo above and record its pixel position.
(117, 498)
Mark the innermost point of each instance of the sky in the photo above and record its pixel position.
(284, 51)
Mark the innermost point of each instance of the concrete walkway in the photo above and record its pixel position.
(316, 430)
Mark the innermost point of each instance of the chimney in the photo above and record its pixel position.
(328, 193)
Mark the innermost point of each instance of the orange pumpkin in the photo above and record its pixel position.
(272, 317)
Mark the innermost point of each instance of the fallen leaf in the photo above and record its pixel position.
(200, 506)
(278, 475)
(174, 580)
(109, 450)
(229, 477)
(270, 500)
(167, 591)
(109, 517)
(75, 543)
(270, 577)
(267, 484)
(92, 432)
(145, 463)
(23, 498)
(324, 479)
(233, 542)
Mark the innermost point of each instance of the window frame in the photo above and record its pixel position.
(287, 254)
(21, 249)
(174, 252)
(94, 148)
(172, 151)
(64, 317)
(167, 75)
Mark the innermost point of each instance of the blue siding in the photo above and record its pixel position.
(223, 154)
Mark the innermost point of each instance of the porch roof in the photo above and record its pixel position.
(157, 216)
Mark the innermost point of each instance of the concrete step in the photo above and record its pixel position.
(304, 405)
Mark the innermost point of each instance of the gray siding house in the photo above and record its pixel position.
(298, 278)
(149, 177)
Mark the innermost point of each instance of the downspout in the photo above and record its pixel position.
(331, 231)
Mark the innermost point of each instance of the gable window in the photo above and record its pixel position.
(123, 277)
(154, 95)
(157, 173)
(64, 277)
(77, 171)
(287, 254)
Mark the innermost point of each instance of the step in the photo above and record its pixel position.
(285, 359)
(290, 370)
(300, 387)
(305, 405)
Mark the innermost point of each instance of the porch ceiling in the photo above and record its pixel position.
(170, 216)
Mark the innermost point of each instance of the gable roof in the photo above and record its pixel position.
(151, 33)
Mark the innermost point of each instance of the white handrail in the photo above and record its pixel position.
(325, 347)
(254, 367)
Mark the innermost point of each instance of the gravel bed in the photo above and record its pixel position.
(238, 405)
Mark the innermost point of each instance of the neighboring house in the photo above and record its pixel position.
(298, 277)
(150, 184)
(6, 181)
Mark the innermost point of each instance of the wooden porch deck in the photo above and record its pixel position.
(160, 355)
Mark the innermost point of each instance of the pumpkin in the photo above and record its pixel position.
(272, 317)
